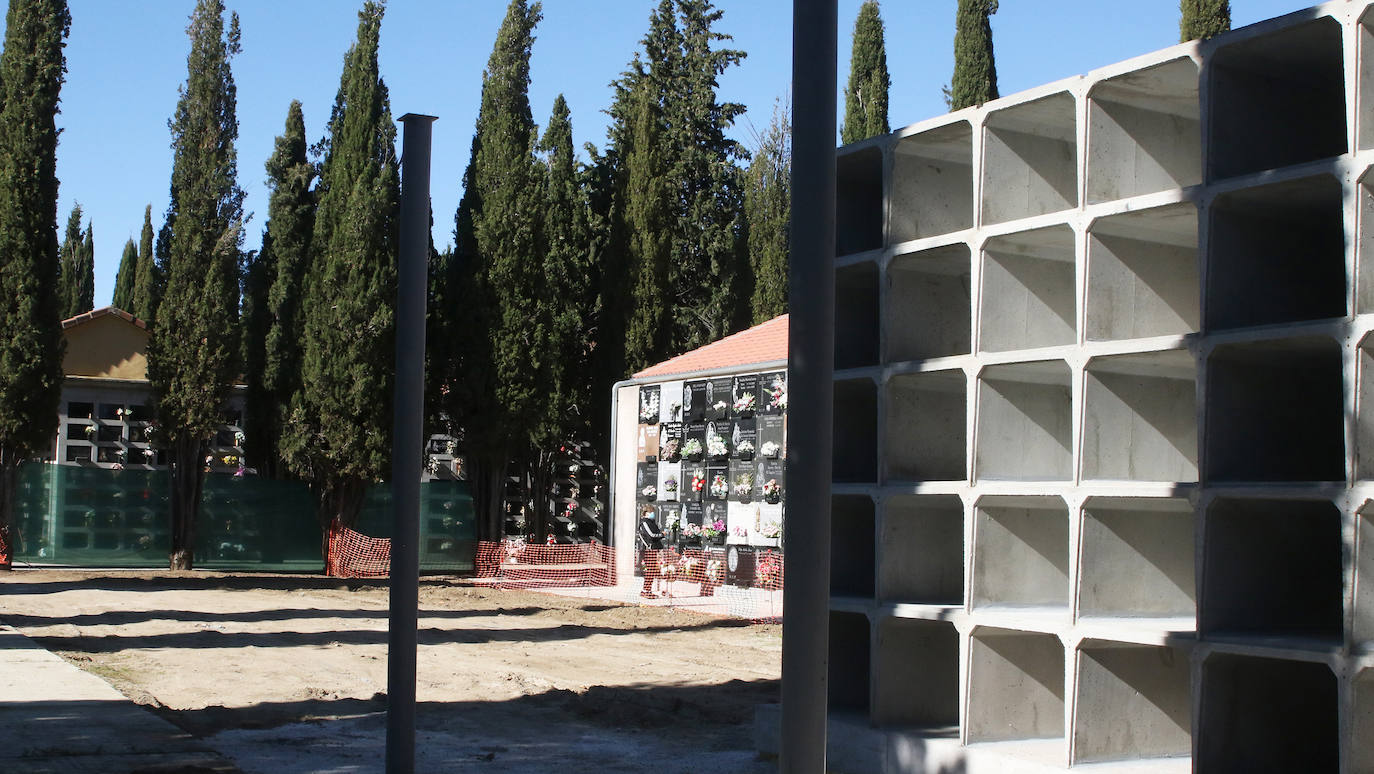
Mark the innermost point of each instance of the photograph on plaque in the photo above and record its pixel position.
(744, 440)
(693, 401)
(770, 473)
(670, 442)
(648, 405)
(719, 395)
(718, 439)
(670, 402)
(670, 481)
(771, 435)
(744, 484)
(746, 395)
(717, 483)
(773, 392)
(646, 482)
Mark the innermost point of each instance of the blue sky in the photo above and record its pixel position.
(125, 61)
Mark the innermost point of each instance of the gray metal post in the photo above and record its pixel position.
(407, 444)
(811, 353)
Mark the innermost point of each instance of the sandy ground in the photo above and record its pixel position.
(287, 674)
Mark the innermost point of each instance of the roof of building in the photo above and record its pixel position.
(763, 343)
(101, 312)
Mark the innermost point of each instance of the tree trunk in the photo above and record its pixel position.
(541, 498)
(9, 485)
(337, 504)
(486, 479)
(188, 479)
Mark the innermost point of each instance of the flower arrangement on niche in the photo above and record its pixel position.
(745, 449)
(692, 450)
(744, 486)
(777, 395)
(745, 403)
(772, 531)
(719, 488)
(770, 450)
(716, 446)
(698, 480)
(670, 485)
(691, 531)
(772, 492)
(649, 492)
(670, 449)
(648, 407)
(90, 430)
(712, 530)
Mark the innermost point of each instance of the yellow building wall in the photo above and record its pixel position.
(106, 347)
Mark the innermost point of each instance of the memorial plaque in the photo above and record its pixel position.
(693, 513)
(646, 482)
(718, 439)
(693, 401)
(650, 442)
(670, 402)
(773, 392)
(719, 395)
(717, 483)
(746, 395)
(649, 404)
(670, 481)
(744, 439)
(770, 429)
(744, 483)
(670, 437)
(771, 471)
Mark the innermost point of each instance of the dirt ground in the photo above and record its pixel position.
(287, 674)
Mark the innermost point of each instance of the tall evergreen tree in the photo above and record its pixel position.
(286, 247)
(85, 271)
(124, 280)
(975, 68)
(865, 97)
(1203, 19)
(194, 355)
(69, 292)
(339, 431)
(145, 282)
(647, 217)
(768, 204)
(496, 235)
(32, 69)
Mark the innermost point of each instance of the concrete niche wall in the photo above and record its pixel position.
(926, 310)
(921, 550)
(932, 183)
(1144, 132)
(1140, 418)
(856, 316)
(848, 681)
(859, 201)
(851, 536)
(1137, 560)
(1016, 686)
(919, 661)
(1025, 422)
(1289, 720)
(1143, 274)
(1021, 553)
(1030, 159)
(1028, 290)
(925, 427)
(1134, 702)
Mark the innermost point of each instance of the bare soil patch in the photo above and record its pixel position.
(287, 673)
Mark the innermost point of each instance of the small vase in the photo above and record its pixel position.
(746, 456)
(694, 457)
(773, 499)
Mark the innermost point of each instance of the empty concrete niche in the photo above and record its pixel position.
(1025, 422)
(1364, 269)
(1020, 553)
(1137, 560)
(924, 431)
(851, 546)
(1015, 686)
(1267, 715)
(855, 432)
(1366, 85)
(1140, 418)
(1364, 409)
(1030, 159)
(1275, 412)
(856, 316)
(1272, 569)
(1277, 254)
(1143, 132)
(1362, 751)
(1362, 632)
(1028, 291)
(921, 550)
(1134, 702)
(919, 665)
(1143, 274)
(926, 313)
(932, 183)
(849, 661)
(858, 201)
(1279, 100)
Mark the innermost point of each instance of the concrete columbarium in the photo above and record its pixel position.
(1104, 451)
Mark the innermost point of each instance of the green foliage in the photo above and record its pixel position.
(84, 291)
(124, 280)
(975, 67)
(1203, 19)
(768, 205)
(146, 292)
(338, 434)
(647, 199)
(32, 69)
(71, 266)
(865, 97)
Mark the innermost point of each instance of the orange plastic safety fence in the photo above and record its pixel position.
(355, 555)
(517, 564)
(740, 582)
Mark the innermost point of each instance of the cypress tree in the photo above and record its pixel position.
(145, 282)
(69, 293)
(647, 219)
(975, 68)
(496, 233)
(85, 272)
(768, 205)
(124, 280)
(286, 246)
(32, 69)
(865, 97)
(338, 435)
(194, 355)
(1203, 19)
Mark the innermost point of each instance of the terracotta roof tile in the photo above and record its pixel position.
(763, 343)
(101, 312)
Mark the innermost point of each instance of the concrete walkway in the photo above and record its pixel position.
(54, 717)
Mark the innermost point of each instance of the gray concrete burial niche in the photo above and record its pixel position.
(849, 662)
(925, 428)
(919, 662)
(855, 429)
(1030, 159)
(1025, 422)
(1143, 274)
(1275, 412)
(1277, 254)
(1277, 99)
(1137, 561)
(1144, 133)
(1140, 418)
(1267, 715)
(1272, 568)
(926, 310)
(851, 546)
(856, 316)
(1134, 702)
(921, 550)
(1015, 686)
(859, 201)
(932, 183)
(1021, 554)
(1027, 297)
(1362, 628)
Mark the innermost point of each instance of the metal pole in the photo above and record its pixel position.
(811, 353)
(407, 445)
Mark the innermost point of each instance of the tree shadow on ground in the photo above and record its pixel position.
(129, 617)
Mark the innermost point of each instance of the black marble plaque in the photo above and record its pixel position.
(693, 401)
(649, 405)
(772, 392)
(746, 395)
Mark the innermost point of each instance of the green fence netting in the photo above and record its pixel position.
(96, 517)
